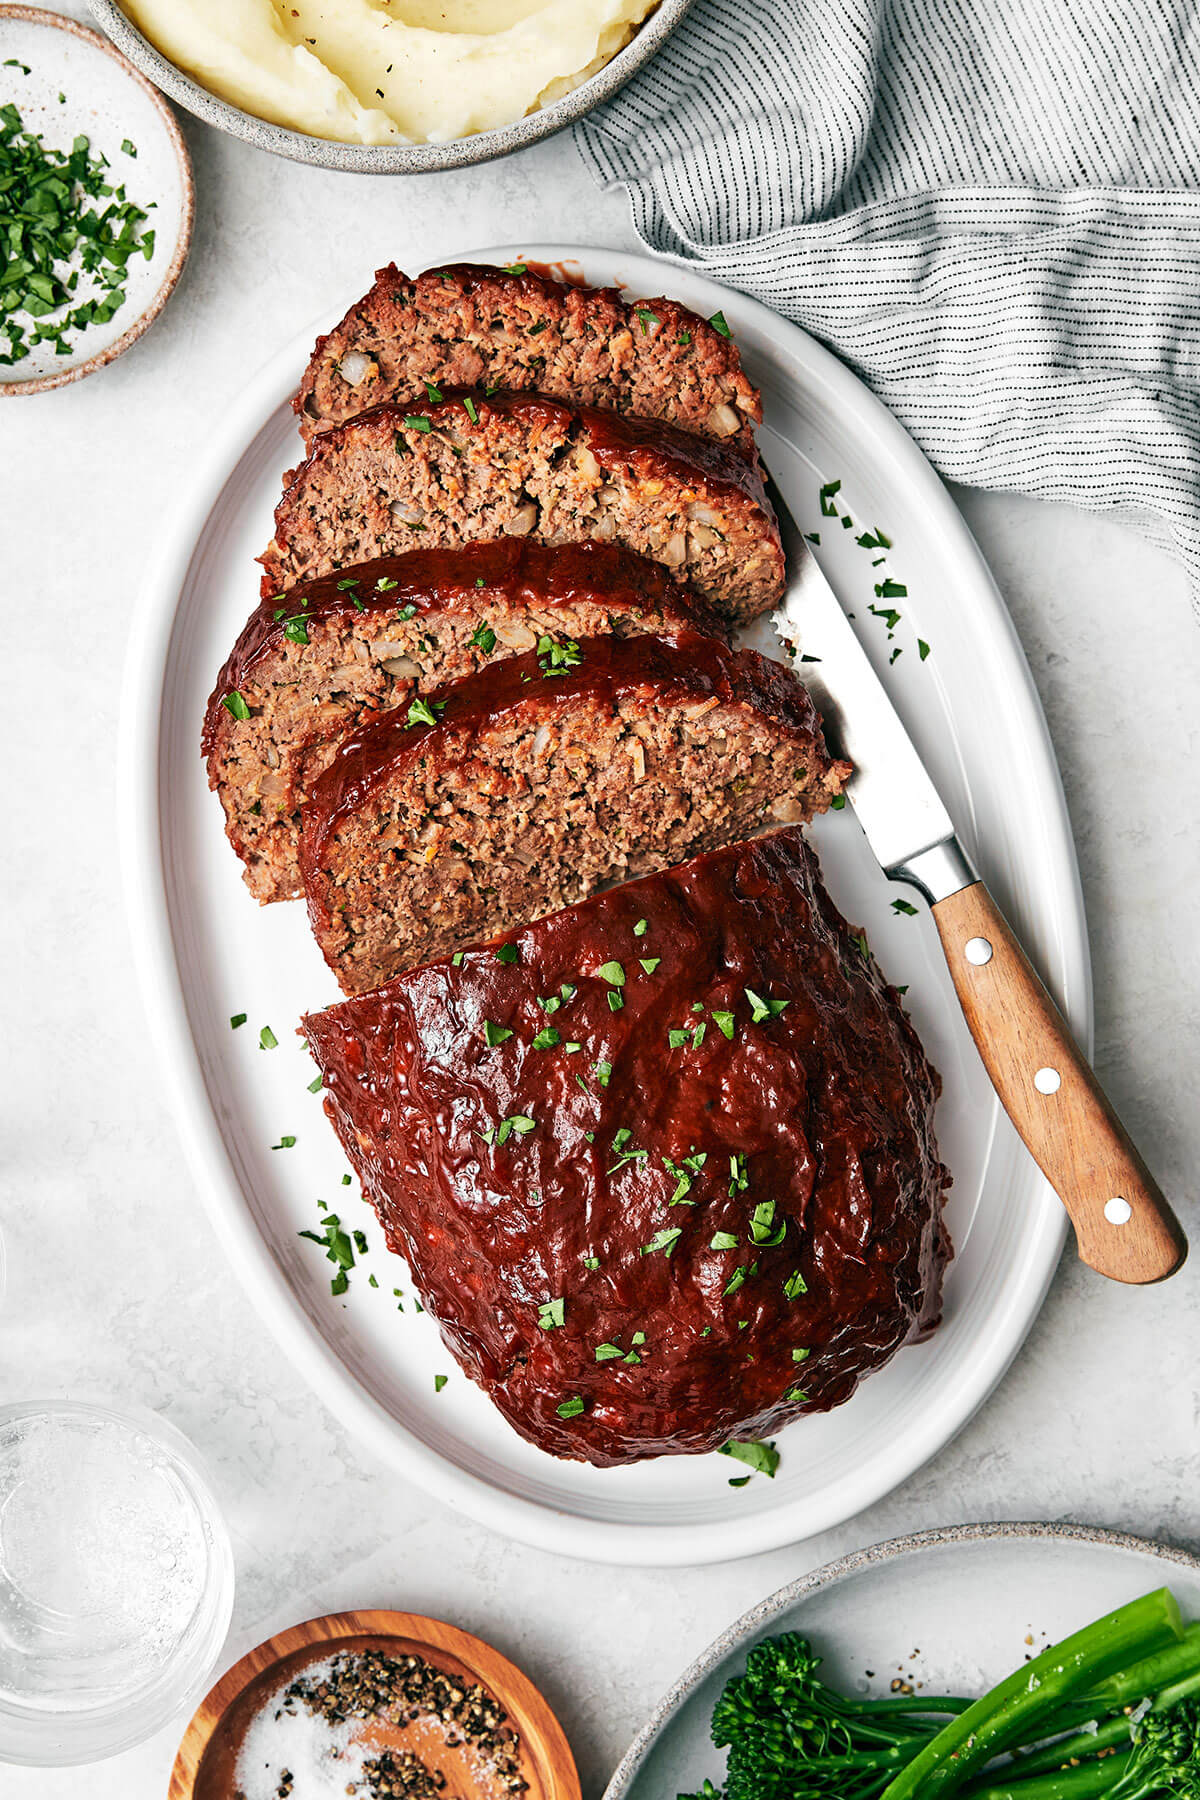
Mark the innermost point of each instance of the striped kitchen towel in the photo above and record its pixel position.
(989, 208)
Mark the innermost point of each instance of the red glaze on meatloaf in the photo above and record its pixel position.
(648, 1230)
(541, 778)
(313, 663)
(522, 465)
(469, 325)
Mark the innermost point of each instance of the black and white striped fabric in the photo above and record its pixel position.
(989, 208)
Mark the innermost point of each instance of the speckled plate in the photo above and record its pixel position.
(391, 159)
(954, 1609)
(208, 953)
(67, 81)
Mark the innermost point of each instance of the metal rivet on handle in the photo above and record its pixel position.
(978, 950)
(1118, 1211)
(1047, 1081)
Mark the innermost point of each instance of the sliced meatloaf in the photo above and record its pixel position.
(471, 326)
(534, 782)
(523, 466)
(651, 1227)
(312, 663)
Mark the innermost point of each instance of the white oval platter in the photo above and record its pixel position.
(954, 1609)
(208, 953)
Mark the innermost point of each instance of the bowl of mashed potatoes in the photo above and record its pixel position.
(389, 86)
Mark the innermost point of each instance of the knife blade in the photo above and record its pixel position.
(1124, 1226)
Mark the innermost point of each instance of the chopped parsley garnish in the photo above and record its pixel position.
(351, 581)
(888, 614)
(602, 1071)
(456, 959)
(296, 629)
(431, 388)
(418, 421)
(799, 1355)
(677, 1039)
(516, 268)
(761, 1009)
(859, 940)
(421, 712)
(507, 953)
(739, 1179)
(718, 324)
(285, 1143)
(794, 1286)
(547, 1039)
(647, 318)
(723, 1240)
(664, 1240)
(551, 1314)
(684, 1175)
(922, 649)
(837, 803)
(684, 339)
(439, 1382)
(724, 1023)
(556, 659)
(615, 1001)
(470, 408)
(64, 224)
(609, 1352)
(235, 704)
(735, 1281)
(763, 1228)
(315, 1085)
(613, 973)
(521, 1123)
(236, 1020)
(405, 613)
(495, 1034)
(267, 1039)
(874, 540)
(570, 1409)
(828, 508)
(904, 906)
(890, 590)
(763, 1458)
(338, 1250)
(795, 1395)
(591, 1262)
(639, 929)
(698, 1035)
(385, 584)
(812, 537)
(483, 638)
(649, 963)
(549, 1003)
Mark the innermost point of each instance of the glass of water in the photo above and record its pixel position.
(116, 1580)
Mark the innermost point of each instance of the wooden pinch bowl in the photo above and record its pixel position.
(207, 1757)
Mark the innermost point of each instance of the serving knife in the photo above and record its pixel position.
(1124, 1226)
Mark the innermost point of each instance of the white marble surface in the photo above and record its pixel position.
(117, 1286)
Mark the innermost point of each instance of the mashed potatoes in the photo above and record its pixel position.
(389, 71)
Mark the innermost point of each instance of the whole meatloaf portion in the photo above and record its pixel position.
(313, 663)
(470, 325)
(529, 785)
(647, 1230)
(523, 466)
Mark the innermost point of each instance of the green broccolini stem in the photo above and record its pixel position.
(1083, 1783)
(1016, 1710)
(1112, 1731)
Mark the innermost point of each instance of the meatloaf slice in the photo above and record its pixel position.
(646, 1230)
(312, 663)
(470, 326)
(523, 466)
(529, 785)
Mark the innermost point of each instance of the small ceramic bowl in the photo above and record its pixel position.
(68, 81)
(391, 159)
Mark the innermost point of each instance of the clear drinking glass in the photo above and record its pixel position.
(116, 1580)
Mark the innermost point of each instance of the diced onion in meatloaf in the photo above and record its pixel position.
(525, 466)
(469, 326)
(531, 784)
(647, 1228)
(311, 664)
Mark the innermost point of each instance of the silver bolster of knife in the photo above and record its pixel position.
(942, 870)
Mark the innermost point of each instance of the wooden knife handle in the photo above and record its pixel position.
(1123, 1224)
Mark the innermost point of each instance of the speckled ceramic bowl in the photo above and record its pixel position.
(952, 1609)
(390, 159)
